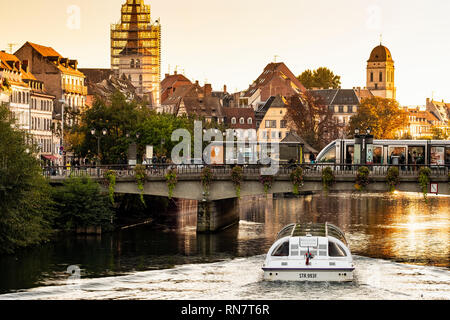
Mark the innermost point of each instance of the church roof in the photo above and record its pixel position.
(380, 54)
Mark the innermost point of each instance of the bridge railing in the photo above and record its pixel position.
(160, 170)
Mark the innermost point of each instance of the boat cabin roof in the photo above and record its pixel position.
(312, 229)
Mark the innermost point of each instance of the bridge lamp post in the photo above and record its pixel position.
(163, 142)
(104, 132)
(363, 153)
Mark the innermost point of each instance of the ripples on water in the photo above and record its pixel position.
(241, 278)
(382, 230)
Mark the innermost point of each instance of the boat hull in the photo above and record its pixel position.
(309, 275)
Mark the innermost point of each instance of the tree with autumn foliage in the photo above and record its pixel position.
(309, 116)
(384, 116)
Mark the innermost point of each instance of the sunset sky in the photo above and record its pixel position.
(230, 42)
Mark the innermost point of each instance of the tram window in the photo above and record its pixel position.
(397, 155)
(349, 154)
(335, 250)
(329, 156)
(437, 156)
(282, 250)
(378, 155)
(447, 155)
(416, 155)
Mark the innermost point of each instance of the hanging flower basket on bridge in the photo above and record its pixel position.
(297, 179)
(267, 182)
(424, 180)
(327, 178)
(237, 176)
(393, 178)
(110, 182)
(171, 178)
(140, 176)
(362, 178)
(206, 178)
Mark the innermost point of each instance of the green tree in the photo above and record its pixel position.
(320, 78)
(119, 117)
(156, 130)
(26, 208)
(81, 203)
(383, 116)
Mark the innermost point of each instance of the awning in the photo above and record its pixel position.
(50, 157)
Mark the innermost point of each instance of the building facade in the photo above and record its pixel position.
(18, 94)
(29, 103)
(422, 123)
(60, 75)
(270, 120)
(136, 49)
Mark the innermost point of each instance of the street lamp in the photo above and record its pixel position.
(104, 132)
(363, 152)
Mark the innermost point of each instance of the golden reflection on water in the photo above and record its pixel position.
(401, 227)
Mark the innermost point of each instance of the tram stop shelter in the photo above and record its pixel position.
(293, 147)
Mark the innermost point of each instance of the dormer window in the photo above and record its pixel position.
(233, 120)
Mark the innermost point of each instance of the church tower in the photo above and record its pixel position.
(136, 50)
(381, 73)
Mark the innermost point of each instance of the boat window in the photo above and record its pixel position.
(282, 250)
(335, 250)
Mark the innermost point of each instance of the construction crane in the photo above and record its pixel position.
(10, 46)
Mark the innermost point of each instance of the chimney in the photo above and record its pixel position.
(428, 100)
(167, 75)
(175, 72)
(208, 90)
(225, 88)
(196, 82)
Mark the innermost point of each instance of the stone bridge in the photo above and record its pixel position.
(217, 206)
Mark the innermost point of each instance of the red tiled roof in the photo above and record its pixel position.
(45, 51)
(4, 57)
(50, 52)
(271, 71)
(238, 113)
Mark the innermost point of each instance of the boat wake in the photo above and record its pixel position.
(243, 279)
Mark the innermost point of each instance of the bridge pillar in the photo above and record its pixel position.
(215, 215)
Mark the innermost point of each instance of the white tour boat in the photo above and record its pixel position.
(309, 252)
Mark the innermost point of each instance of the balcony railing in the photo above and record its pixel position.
(73, 88)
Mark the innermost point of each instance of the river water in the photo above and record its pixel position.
(400, 243)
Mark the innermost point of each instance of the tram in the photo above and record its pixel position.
(388, 152)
